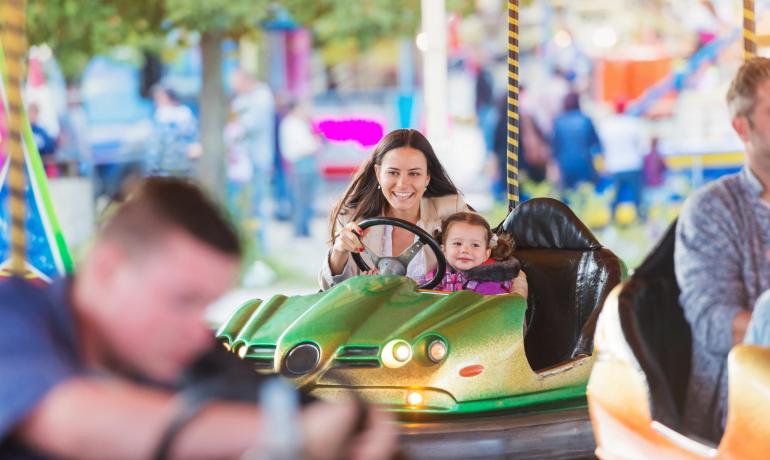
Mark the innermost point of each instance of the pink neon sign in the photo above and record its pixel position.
(366, 131)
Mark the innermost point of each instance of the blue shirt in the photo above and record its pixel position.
(38, 350)
(574, 143)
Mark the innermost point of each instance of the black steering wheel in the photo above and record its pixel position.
(397, 265)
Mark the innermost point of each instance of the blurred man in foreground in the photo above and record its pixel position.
(90, 364)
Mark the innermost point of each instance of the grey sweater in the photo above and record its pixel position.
(722, 259)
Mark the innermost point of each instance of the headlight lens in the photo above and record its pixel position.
(437, 350)
(396, 353)
(402, 352)
(302, 359)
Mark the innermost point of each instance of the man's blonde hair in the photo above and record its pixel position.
(742, 95)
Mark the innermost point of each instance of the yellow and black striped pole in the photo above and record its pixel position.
(512, 172)
(14, 41)
(749, 30)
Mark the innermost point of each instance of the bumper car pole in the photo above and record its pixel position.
(512, 170)
(749, 30)
(14, 42)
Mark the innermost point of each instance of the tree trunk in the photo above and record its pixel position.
(213, 113)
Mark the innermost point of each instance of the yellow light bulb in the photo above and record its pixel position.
(414, 398)
(242, 350)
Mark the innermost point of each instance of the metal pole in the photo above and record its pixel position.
(14, 40)
(512, 172)
(749, 30)
(434, 29)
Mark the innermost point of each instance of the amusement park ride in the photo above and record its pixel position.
(469, 375)
(462, 370)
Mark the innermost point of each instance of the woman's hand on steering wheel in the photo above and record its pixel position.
(397, 265)
(349, 239)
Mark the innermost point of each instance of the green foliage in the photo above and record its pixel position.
(79, 29)
(364, 20)
(230, 17)
(75, 29)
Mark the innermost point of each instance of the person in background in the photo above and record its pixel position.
(239, 170)
(93, 364)
(74, 147)
(280, 181)
(575, 143)
(254, 109)
(534, 148)
(300, 145)
(174, 148)
(45, 143)
(624, 147)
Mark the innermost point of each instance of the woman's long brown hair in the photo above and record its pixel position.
(362, 197)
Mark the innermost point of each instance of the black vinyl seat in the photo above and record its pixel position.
(657, 331)
(569, 274)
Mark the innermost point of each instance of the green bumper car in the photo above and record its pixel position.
(425, 353)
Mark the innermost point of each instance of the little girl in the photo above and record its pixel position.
(477, 259)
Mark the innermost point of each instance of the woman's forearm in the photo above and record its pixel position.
(337, 261)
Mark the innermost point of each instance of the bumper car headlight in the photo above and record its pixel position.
(396, 353)
(437, 350)
(302, 359)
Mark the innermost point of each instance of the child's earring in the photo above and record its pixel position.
(378, 187)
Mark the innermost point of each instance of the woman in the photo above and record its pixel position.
(402, 179)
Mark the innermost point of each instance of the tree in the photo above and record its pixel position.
(215, 20)
(76, 30)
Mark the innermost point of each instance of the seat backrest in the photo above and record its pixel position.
(569, 275)
(657, 331)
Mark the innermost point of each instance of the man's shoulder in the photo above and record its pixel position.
(20, 297)
(13, 287)
(722, 193)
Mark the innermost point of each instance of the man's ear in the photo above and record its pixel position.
(105, 261)
(741, 126)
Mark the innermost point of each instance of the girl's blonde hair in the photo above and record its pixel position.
(502, 245)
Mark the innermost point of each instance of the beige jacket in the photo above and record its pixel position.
(432, 211)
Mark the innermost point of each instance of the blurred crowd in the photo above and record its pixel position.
(562, 145)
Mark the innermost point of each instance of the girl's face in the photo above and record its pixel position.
(403, 177)
(465, 245)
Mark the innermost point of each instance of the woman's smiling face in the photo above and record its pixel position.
(403, 177)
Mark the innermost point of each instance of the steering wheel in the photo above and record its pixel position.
(397, 265)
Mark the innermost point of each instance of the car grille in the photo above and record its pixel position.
(261, 356)
(357, 357)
